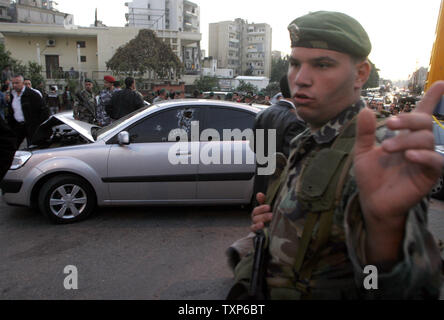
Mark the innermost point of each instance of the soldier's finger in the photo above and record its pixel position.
(264, 218)
(365, 137)
(431, 98)
(260, 197)
(260, 210)
(257, 227)
(428, 158)
(412, 121)
(423, 139)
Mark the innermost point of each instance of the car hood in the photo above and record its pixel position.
(45, 131)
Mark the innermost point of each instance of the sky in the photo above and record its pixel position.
(402, 32)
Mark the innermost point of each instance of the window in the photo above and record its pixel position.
(222, 118)
(158, 127)
(82, 58)
(81, 44)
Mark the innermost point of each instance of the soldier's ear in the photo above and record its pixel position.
(363, 69)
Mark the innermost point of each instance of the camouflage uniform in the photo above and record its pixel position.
(102, 117)
(339, 272)
(85, 107)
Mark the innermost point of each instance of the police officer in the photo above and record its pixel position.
(338, 210)
(85, 106)
(104, 105)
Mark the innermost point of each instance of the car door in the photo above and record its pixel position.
(231, 177)
(145, 171)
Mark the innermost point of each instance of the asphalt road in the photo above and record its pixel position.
(127, 253)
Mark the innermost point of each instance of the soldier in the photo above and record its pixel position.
(104, 105)
(336, 209)
(85, 106)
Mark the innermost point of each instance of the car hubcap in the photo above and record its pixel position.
(438, 187)
(68, 201)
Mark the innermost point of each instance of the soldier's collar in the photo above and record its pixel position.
(332, 128)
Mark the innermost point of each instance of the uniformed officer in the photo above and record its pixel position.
(338, 210)
(85, 106)
(104, 105)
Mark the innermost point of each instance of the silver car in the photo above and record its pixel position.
(157, 155)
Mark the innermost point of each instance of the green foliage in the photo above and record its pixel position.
(279, 68)
(246, 87)
(373, 80)
(207, 84)
(34, 72)
(145, 53)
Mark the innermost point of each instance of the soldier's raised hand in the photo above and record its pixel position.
(394, 177)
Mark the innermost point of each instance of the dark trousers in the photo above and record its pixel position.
(20, 131)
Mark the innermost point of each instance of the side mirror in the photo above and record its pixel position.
(123, 138)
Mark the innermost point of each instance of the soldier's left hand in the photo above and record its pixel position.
(394, 177)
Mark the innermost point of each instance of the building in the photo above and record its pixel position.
(37, 12)
(242, 46)
(210, 69)
(177, 15)
(80, 52)
(170, 15)
(5, 11)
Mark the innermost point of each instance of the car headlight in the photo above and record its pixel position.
(20, 158)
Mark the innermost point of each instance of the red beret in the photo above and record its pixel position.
(109, 79)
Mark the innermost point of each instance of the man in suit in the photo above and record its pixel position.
(26, 111)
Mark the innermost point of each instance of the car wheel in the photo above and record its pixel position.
(438, 189)
(67, 199)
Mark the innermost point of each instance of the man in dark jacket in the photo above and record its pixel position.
(26, 111)
(125, 101)
(283, 118)
(8, 146)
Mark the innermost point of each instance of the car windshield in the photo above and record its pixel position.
(95, 132)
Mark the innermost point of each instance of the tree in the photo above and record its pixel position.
(272, 89)
(373, 80)
(146, 53)
(246, 87)
(279, 68)
(34, 72)
(207, 83)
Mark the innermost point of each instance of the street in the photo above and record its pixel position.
(127, 253)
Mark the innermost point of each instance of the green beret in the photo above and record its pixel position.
(331, 31)
(88, 80)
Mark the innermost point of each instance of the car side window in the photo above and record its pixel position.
(158, 127)
(221, 119)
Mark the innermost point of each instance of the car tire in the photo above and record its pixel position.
(67, 199)
(438, 189)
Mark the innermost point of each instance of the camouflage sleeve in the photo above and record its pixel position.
(418, 274)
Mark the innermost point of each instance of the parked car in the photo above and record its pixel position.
(438, 189)
(73, 166)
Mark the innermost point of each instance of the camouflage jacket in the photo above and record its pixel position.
(85, 107)
(339, 272)
(102, 117)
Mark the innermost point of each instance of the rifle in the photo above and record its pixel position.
(256, 290)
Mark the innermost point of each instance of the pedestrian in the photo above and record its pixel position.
(8, 146)
(104, 104)
(117, 86)
(162, 96)
(67, 99)
(53, 101)
(126, 101)
(6, 76)
(283, 118)
(335, 210)
(4, 99)
(26, 111)
(85, 105)
(28, 83)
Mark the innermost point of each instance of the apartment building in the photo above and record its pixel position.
(170, 15)
(36, 12)
(241, 46)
